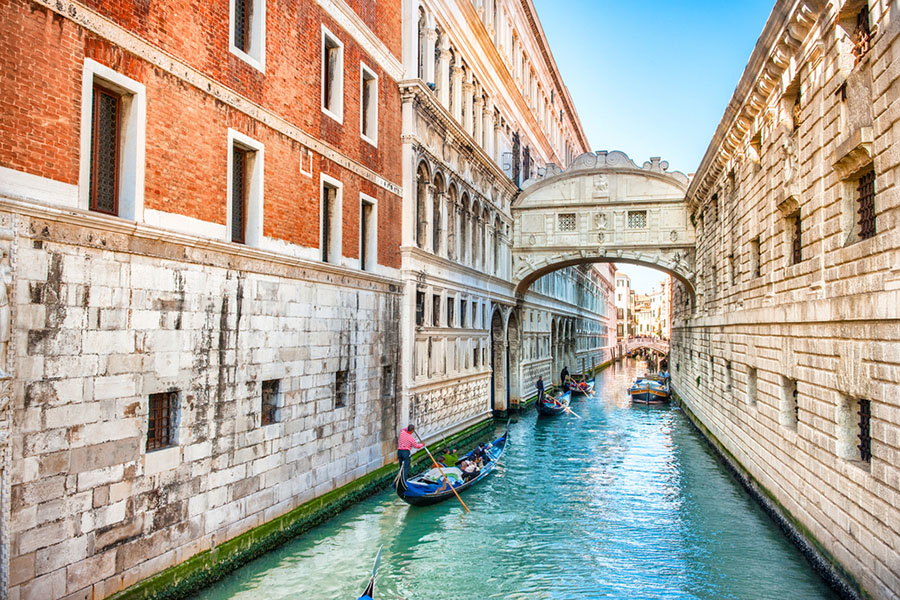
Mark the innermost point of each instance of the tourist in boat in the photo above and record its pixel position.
(405, 443)
(469, 469)
(450, 457)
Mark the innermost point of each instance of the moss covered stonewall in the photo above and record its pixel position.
(822, 561)
(205, 568)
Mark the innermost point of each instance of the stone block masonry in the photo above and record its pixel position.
(91, 508)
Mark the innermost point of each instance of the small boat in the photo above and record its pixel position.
(584, 388)
(550, 405)
(650, 389)
(432, 486)
(369, 594)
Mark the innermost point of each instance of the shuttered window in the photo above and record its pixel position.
(104, 189)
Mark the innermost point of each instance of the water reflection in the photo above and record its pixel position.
(627, 502)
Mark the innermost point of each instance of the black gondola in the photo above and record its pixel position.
(431, 487)
(550, 406)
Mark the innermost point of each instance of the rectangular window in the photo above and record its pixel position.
(106, 115)
(862, 36)
(567, 222)
(865, 439)
(475, 354)
(270, 404)
(854, 441)
(790, 408)
(450, 304)
(756, 256)
(637, 219)
(462, 313)
(248, 30)
(436, 310)
(368, 105)
(368, 235)
(866, 205)
(341, 388)
(795, 227)
(751, 386)
(728, 376)
(330, 243)
(420, 308)
(238, 193)
(332, 76)
(732, 261)
(161, 420)
(387, 381)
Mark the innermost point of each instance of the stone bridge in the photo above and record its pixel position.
(632, 344)
(603, 208)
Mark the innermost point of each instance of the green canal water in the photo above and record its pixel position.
(626, 502)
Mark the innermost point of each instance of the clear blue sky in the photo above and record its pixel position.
(652, 78)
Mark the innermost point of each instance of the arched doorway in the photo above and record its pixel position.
(513, 356)
(498, 364)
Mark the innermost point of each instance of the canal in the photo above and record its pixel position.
(626, 502)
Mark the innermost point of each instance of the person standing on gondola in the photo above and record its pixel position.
(564, 376)
(540, 388)
(406, 442)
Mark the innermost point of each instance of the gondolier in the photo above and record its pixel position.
(405, 442)
(540, 388)
(564, 375)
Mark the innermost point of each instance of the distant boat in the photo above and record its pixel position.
(432, 487)
(550, 406)
(369, 594)
(650, 389)
(583, 388)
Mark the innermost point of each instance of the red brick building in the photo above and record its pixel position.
(200, 216)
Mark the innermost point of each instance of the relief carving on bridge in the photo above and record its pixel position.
(604, 207)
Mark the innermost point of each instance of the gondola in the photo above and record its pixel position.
(369, 594)
(550, 406)
(650, 389)
(431, 487)
(581, 388)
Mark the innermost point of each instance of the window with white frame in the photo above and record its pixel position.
(332, 76)
(368, 233)
(330, 221)
(245, 189)
(368, 102)
(113, 124)
(247, 28)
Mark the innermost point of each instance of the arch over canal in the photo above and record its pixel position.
(603, 208)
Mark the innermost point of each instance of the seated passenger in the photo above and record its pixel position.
(450, 457)
(469, 469)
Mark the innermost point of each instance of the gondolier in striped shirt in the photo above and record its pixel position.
(404, 444)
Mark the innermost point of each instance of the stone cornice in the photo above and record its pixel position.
(415, 90)
(787, 28)
(350, 22)
(97, 224)
(170, 64)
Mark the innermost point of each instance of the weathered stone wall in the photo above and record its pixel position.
(105, 318)
(763, 320)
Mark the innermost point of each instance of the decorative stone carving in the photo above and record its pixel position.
(601, 186)
(6, 235)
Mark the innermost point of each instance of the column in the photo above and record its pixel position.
(456, 102)
(443, 76)
(478, 117)
(468, 97)
(429, 216)
(487, 141)
(430, 39)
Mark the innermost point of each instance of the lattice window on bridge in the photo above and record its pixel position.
(567, 222)
(637, 219)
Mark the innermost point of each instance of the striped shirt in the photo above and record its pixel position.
(407, 441)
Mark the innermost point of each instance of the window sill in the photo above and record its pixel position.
(371, 141)
(256, 63)
(162, 459)
(333, 116)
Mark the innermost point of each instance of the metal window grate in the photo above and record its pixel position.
(104, 196)
(242, 10)
(862, 36)
(865, 441)
(567, 222)
(866, 201)
(797, 240)
(269, 405)
(637, 219)
(238, 193)
(161, 420)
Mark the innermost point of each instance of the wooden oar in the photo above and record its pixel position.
(565, 407)
(450, 485)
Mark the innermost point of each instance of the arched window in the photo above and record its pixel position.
(464, 230)
(452, 217)
(496, 245)
(436, 201)
(421, 199)
(423, 24)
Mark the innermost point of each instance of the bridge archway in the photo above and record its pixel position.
(603, 208)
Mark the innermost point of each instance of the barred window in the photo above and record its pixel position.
(637, 219)
(866, 202)
(567, 222)
(242, 17)
(862, 36)
(161, 420)
(865, 440)
(104, 189)
(796, 228)
(271, 390)
(238, 193)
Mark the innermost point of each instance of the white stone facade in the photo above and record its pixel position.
(794, 330)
